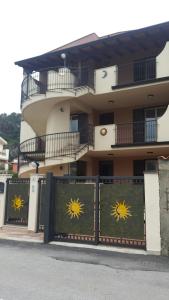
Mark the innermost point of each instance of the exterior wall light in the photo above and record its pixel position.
(35, 164)
(150, 96)
(63, 56)
(103, 131)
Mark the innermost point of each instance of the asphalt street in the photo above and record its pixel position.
(49, 272)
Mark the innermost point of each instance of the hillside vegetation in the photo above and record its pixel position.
(10, 131)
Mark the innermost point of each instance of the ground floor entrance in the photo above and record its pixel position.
(97, 209)
(131, 166)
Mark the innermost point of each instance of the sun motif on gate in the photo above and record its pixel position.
(121, 211)
(17, 203)
(75, 208)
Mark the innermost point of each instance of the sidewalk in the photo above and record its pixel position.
(18, 233)
(21, 234)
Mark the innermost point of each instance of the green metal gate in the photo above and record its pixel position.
(107, 210)
(17, 201)
(122, 211)
(74, 209)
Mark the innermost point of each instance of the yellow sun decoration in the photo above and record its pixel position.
(75, 208)
(121, 211)
(17, 203)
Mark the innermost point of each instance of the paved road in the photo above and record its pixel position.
(38, 272)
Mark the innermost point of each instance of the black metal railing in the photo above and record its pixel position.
(137, 71)
(60, 78)
(57, 144)
(136, 133)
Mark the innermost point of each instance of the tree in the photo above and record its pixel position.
(10, 131)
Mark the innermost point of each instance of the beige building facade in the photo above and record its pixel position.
(97, 107)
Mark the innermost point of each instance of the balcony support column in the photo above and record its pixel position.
(33, 202)
(59, 118)
(3, 180)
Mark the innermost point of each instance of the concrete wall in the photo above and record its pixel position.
(152, 212)
(26, 132)
(59, 118)
(164, 205)
(58, 121)
(123, 167)
(63, 78)
(162, 127)
(104, 142)
(105, 78)
(162, 60)
(123, 115)
(125, 73)
(33, 202)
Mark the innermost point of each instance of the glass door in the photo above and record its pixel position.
(150, 125)
(151, 117)
(79, 123)
(74, 124)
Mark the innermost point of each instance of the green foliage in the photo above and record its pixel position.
(10, 131)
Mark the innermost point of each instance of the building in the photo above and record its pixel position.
(4, 156)
(98, 105)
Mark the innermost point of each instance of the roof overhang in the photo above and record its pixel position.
(115, 45)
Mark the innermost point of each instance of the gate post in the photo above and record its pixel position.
(47, 206)
(152, 212)
(163, 166)
(3, 181)
(33, 202)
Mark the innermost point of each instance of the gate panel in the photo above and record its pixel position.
(17, 201)
(74, 212)
(122, 212)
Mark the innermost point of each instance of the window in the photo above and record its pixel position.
(78, 168)
(139, 166)
(74, 123)
(106, 168)
(106, 118)
(151, 165)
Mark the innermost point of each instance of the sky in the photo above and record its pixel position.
(33, 27)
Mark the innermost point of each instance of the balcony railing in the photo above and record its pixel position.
(137, 71)
(3, 153)
(67, 144)
(136, 133)
(60, 78)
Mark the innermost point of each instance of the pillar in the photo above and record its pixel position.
(33, 202)
(152, 212)
(3, 180)
(163, 165)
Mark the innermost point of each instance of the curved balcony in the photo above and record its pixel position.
(57, 145)
(57, 79)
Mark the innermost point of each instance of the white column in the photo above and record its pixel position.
(152, 211)
(33, 202)
(3, 179)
